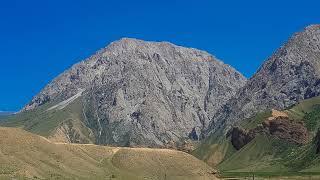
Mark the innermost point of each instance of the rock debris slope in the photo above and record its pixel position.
(137, 93)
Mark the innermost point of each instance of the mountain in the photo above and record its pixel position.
(132, 93)
(271, 126)
(24, 155)
(290, 75)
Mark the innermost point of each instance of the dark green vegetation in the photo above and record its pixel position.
(267, 155)
(312, 119)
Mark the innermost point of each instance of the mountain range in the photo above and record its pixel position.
(290, 75)
(271, 126)
(4, 113)
(135, 93)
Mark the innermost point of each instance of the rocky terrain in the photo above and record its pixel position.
(287, 77)
(279, 127)
(288, 129)
(137, 93)
(240, 137)
(272, 141)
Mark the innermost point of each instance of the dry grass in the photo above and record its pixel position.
(25, 155)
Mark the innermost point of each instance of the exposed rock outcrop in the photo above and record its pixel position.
(280, 127)
(240, 137)
(289, 76)
(138, 93)
(290, 130)
(275, 114)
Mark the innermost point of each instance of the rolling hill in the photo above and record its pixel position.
(25, 155)
(58, 125)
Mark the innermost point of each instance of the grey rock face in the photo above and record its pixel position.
(289, 76)
(138, 93)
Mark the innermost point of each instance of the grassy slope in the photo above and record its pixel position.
(25, 155)
(267, 155)
(298, 111)
(254, 121)
(249, 158)
(214, 150)
(43, 122)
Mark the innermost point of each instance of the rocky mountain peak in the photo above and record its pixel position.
(136, 92)
(290, 75)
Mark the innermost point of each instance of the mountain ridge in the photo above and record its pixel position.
(290, 75)
(124, 42)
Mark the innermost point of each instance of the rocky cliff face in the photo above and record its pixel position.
(138, 93)
(289, 76)
(240, 137)
(287, 129)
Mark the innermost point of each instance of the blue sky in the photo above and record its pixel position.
(40, 39)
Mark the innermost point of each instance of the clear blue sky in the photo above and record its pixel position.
(40, 39)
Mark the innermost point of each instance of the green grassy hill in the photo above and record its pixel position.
(46, 122)
(28, 156)
(267, 155)
(41, 120)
